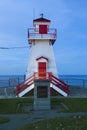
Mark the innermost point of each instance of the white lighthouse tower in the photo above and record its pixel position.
(41, 38)
(42, 65)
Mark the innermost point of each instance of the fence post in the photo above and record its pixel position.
(9, 82)
(24, 76)
(18, 80)
(83, 83)
(67, 81)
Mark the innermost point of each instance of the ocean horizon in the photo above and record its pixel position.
(14, 80)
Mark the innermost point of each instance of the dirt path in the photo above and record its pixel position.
(19, 120)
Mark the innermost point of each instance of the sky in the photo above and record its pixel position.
(69, 17)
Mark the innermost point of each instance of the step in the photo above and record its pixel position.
(39, 107)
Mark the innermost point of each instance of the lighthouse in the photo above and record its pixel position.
(41, 39)
(42, 64)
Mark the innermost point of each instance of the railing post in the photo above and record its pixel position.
(50, 76)
(28, 33)
(34, 75)
(18, 80)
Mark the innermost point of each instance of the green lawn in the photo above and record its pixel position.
(73, 104)
(72, 123)
(3, 120)
(10, 106)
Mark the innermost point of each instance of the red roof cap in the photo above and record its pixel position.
(42, 57)
(41, 20)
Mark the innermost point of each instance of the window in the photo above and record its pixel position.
(42, 29)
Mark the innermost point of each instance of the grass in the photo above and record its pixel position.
(3, 120)
(71, 123)
(10, 106)
(73, 104)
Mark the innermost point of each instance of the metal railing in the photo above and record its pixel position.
(42, 75)
(34, 34)
(75, 82)
(9, 81)
(12, 82)
(8, 86)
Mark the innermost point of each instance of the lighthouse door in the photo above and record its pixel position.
(42, 70)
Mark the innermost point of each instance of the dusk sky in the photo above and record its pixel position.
(68, 16)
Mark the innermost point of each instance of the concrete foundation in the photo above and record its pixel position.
(41, 94)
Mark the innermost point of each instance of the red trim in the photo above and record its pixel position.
(41, 20)
(42, 57)
(60, 84)
(48, 75)
(21, 87)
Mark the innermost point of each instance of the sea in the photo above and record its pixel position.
(14, 80)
